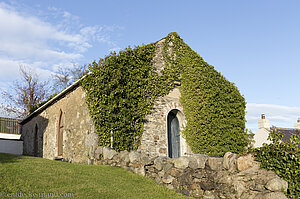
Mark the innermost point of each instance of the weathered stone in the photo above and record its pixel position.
(108, 153)
(208, 185)
(201, 160)
(116, 157)
(229, 161)
(249, 195)
(98, 152)
(162, 150)
(245, 162)
(124, 156)
(181, 162)
(239, 187)
(196, 185)
(124, 164)
(175, 172)
(139, 170)
(199, 173)
(193, 163)
(145, 159)
(185, 179)
(79, 139)
(161, 173)
(167, 179)
(253, 171)
(258, 187)
(271, 195)
(215, 163)
(134, 156)
(276, 184)
(208, 195)
(159, 162)
(167, 166)
(226, 179)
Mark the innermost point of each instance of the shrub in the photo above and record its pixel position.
(283, 157)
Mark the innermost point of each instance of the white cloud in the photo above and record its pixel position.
(32, 39)
(281, 116)
(28, 37)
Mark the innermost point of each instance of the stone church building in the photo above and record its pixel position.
(63, 129)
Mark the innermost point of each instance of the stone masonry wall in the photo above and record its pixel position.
(201, 176)
(79, 137)
(155, 136)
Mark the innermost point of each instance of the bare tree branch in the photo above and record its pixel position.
(24, 93)
(64, 77)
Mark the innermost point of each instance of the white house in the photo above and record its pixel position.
(264, 128)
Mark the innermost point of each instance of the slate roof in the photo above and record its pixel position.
(288, 132)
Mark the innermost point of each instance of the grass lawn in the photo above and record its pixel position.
(30, 175)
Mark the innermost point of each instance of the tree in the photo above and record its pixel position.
(66, 76)
(24, 94)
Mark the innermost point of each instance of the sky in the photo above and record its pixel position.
(255, 44)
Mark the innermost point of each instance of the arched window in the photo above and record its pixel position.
(35, 141)
(173, 134)
(60, 135)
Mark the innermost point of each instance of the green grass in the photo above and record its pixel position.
(23, 174)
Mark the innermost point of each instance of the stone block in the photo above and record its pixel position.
(201, 160)
(239, 187)
(159, 162)
(167, 179)
(182, 162)
(193, 163)
(167, 166)
(276, 184)
(134, 156)
(245, 162)
(207, 185)
(145, 159)
(139, 171)
(215, 163)
(98, 152)
(175, 172)
(108, 153)
(124, 156)
(271, 195)
(229, 161)
(209, 195)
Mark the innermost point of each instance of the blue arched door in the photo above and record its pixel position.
(173, 135)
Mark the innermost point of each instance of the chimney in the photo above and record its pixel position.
(264, 123)
(297, 124)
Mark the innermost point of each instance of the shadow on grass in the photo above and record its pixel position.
(9, 158)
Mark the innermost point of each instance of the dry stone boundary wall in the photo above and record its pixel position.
(198, 175)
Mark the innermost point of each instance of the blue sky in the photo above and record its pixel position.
(255, 44)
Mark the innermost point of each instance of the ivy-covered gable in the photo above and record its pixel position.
(122, 88)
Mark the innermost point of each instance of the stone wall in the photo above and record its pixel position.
(201, 176)
(155, 136)
(79, 137)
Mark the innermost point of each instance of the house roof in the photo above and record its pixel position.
(53, 100)
(288, 132)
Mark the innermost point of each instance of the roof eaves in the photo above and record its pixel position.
(57, 97)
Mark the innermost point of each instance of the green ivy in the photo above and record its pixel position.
(122, 88)
(283, 157)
